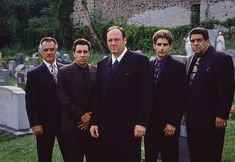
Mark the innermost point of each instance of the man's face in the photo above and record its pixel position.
(116, 42)
(81, 55)
(162, 47)
(48, 51)
(199, 44)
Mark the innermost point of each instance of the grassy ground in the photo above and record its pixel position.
(23, 149)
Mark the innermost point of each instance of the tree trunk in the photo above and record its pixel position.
(88, 19)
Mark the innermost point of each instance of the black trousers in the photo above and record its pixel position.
(206, 146)
(117, 150)
(45, 144)
(76, 146)
(157, 143)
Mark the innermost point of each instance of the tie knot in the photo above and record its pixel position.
(114, 65)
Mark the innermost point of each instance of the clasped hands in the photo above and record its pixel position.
(85, 121)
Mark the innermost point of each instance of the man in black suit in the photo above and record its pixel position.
(211, 88)
(76, 92)
(124, 98)
(169, 87)
(41, 100)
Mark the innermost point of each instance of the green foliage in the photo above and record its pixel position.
(210, 23)
(195, 15)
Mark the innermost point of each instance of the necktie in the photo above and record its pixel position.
(54, 71)
(114, 65)
(195, 69)
(85, 76)
(156, 71)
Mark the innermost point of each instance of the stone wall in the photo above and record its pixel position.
(168, 13)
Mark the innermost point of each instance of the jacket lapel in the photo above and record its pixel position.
(204, 66)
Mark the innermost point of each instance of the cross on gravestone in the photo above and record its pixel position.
(4, 75)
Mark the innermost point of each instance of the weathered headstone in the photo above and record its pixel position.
(4, 75)
(12, 66)
(29, 68)
(19, 58)
(213, 34)
(13, 116)
(35, 61)
(21, 80)
(66, 59)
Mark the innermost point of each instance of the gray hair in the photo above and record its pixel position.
(47, 39)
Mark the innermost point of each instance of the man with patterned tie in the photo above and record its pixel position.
(169, 88)
(76, 95)
(211, 88)
(123, 101)
(42, 105)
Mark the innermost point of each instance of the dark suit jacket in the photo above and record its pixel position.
(75, 98)
(124, 97)
(211, 92)
(41, 99)
(169, 94)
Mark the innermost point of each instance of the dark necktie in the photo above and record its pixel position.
(54, 71)
(156, 71)
(114, 65)
(194, 70)
(85, 76)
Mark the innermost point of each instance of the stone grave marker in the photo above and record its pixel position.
(4, 75)
(19, 58)
(13, 116)
(11, 66)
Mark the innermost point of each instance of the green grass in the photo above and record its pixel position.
(23, 149)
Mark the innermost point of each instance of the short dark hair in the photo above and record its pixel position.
(48, 39)
(199, 30)
(119, 28)
(81, 41)
(163, 34)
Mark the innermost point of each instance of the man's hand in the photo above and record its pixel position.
(220, 122)
(37, 130)
(169, 130)
(94, 131)
(139, 131)
(85, 121)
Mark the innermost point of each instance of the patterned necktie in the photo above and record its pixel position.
(54, 71)
(194, 71)
(114, 65)
(156, 71)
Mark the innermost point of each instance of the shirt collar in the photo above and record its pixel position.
(49, 65)
(119, 57)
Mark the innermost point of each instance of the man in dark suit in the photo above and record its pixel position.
(124, 98)
(41, 100)
(76, 92)
(169, 88)
(211, 88)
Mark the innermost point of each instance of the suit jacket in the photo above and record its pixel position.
(124, 97)
(75, 97)
(169, 94)
(211, 92)
(41, 99)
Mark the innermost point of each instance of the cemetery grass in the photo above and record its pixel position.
(23, 149)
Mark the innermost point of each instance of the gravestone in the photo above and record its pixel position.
(11, 66)
(66, 59)
(35, 61)
(4, 75)
(29, 68)
(19, 58)
(13, 116)
(213, 34)
(21, 80)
